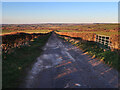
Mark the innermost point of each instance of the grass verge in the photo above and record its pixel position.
(15, 63)
(94, 49)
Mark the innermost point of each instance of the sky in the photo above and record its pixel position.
(59, 12)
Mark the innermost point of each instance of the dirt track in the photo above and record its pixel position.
(63, 65)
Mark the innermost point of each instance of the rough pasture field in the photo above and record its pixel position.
(25, 28)
(91, 27)
(97, 28)
(6, 32)
(84, 36)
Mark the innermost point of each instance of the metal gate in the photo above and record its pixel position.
(102, 39)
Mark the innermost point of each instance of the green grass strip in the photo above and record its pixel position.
(15, 63)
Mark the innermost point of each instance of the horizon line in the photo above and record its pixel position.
(63, 23)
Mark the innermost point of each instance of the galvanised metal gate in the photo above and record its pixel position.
(102, 39)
